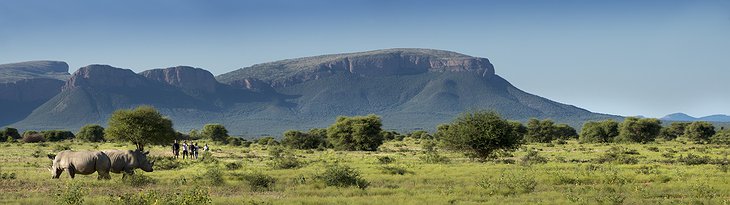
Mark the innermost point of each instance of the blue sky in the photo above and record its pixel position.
(644, 57)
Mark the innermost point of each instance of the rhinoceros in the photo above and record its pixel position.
(127, 160)
(81, 162)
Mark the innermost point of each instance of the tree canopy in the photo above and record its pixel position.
(480, 134)
(356, 133)
(599, 131)
(642, 130)
(142, 125)
(91, 133)
(674, 130)
(215, 132)
(699, 132)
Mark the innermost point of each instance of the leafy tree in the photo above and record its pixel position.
(480, 134)
(91, 133)
(356, 133)
(57, 135)
(299, 140)
(215, 132)
(599, 132)
(699, 131)
(194, 134)
(541, 131)
(643, 130)
(420, 134)
(566, 131)
(721, 137)
(142, 125)
(268, 140)
(9, 132)
(676, 129)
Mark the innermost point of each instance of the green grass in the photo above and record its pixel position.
(572, 175)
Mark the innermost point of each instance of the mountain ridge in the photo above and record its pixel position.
(412, 89)
(687, 118)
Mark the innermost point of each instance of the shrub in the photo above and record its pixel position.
(542, 131)
(642, 130)
(692, 159)
(673, 131)
(258, 181)
(215, 132)
(212, 176)
(533, 157)
(699, 132)
(480, 134)
(207, 157)
(508, 184)
(342, 176)
(165, 163)
(9, 133)
(57, 135)
(138, 180)
(385, 160)
(299, 140)
(393, 170)
(71, 194)
(91, 133)
(233, 165)
(599, 132)
(618, 155)
(191, 196)
(33, 138)
(722, 137)
(61, 147)
(356, 133)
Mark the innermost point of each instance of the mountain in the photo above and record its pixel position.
(410, 88)
(686, 118)
(25, 86)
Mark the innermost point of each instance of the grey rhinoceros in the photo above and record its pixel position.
(128, 160)
(81, 162)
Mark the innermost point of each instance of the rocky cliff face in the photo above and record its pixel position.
(184, 77)
(33, 69)
(366, 64)
(101, 76)
(26, 85)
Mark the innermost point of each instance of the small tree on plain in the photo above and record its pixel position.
(142, 125)
(356, 133)
(643, 130)
(215, 132)
(480, 134)
(599, 132)
(674, 130)
(699, 132)
(91, 133)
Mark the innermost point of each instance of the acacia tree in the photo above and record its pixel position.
(356, 133)
(643, 130)
(676, 129)
(215, 132)
(699, 131)
(141, 126)
(603, 131)
(480, 134)
(91, 133)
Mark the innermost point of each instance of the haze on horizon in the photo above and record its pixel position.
(648, 58)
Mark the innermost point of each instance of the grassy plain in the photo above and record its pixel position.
(656, 173)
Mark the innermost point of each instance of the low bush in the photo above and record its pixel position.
(533, 157)
(258, 181)
(212, 176)
(138, 180)
(342, 176)
(618, 155)
(692, 159)
(60, 147)
(191, 196)
(166, 163)
(395, 170)
(385, 160)
(233, 165)
(33, 138)
(508, 184)
(71, 194)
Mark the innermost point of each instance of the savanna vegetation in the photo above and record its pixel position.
(479, 158)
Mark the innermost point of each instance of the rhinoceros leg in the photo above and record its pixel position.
(56, 172)
(71, 172)
(104, 175)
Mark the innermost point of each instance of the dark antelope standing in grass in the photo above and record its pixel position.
(81, 162)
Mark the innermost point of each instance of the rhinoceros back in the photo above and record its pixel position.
(83, 162)
(121, 160)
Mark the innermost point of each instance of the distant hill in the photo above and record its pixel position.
(686, 118)
(25, 86)
(411, 89)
